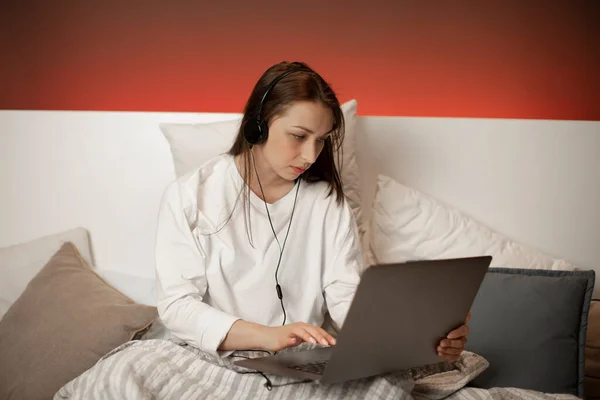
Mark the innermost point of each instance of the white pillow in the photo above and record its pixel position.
(194, 144)
(21, 262)
(408, 225)
(139, 289)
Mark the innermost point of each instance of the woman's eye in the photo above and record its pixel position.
(302, 137)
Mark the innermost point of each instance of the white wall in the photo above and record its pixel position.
(104, 171)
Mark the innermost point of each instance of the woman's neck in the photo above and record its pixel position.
(273, 186)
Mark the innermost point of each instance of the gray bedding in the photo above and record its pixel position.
(165, 369)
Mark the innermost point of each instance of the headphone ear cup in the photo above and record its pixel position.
(264, 131)
(252, 132)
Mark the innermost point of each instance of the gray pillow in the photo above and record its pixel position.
(531, 327)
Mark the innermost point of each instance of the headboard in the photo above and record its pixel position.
(537, 182)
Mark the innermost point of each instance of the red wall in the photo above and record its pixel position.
(506, 59)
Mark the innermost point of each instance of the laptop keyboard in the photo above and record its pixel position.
(313, 368)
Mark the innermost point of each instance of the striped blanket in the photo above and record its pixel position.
(165, 369)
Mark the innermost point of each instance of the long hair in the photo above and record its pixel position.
(303, 85)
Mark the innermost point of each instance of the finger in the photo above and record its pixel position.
(459, 332)
(447, 355)
(302, 334)
(468, 318)
(449, 358)
(449, 350)
(318, 334)
(324, 337)
(456, 343)
(330, 339)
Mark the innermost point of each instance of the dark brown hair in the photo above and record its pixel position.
(303, 85)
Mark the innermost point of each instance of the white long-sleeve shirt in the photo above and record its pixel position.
(209, 275)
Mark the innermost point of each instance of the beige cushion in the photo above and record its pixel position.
(65, 320)
(20, 262)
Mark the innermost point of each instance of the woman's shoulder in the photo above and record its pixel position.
(216, 165)
(333, 217)
(187, 186)
(325, 198)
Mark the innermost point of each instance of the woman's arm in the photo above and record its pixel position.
(244, 335)
(248, 335)
(342, 274)
(180, 275)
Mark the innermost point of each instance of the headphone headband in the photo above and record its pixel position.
(269, 89)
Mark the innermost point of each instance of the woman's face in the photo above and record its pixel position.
(296, 138)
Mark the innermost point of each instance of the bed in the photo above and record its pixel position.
(80, 196)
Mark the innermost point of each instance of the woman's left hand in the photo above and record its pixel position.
(451, 348)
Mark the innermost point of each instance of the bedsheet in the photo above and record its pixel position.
(168, 369)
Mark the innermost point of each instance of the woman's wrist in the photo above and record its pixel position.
(244, 335)
(257, 335)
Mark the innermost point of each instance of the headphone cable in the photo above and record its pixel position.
(277, 285)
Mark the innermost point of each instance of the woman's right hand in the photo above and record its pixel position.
(280, 337)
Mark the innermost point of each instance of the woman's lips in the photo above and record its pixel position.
(298, 170)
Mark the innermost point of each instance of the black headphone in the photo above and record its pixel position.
(257, 130)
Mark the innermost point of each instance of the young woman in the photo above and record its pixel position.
(257, 245)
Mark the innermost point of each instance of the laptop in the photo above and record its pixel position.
(398, 316)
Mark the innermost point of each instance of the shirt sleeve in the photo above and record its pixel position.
(181, 276)
(342, 276)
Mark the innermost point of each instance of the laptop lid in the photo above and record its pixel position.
(399, 314)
